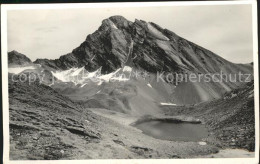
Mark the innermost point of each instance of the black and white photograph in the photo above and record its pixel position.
(103, 81)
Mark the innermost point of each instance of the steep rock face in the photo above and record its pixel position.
(107, 47)
(16, 58)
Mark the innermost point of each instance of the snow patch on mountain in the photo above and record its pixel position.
(17, 70)
(127, 69)
(77, 71)
(167, 104)
(100, 82)
(83, 85)
(156, 32)
(202, 143)
(107, 77)
(112, 24)
(94, 74)
(81, 76)
(120, 78)
(68, 75)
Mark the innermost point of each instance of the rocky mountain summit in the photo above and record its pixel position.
(145, 45)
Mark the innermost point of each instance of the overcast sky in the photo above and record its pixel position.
(225, 30)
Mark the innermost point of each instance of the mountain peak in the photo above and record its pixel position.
(115, 22)
(16, 58)
(118, 18)
(14, 52)
(146, 45)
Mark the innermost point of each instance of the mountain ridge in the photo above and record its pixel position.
(154, 49)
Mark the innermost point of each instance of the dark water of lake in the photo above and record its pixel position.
(173, 131)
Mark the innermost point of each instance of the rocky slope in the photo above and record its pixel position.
(231, 119)
(38, 115)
